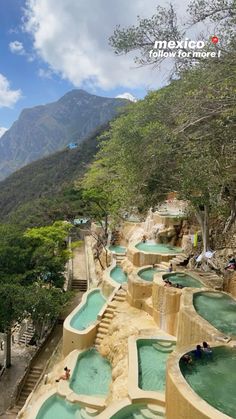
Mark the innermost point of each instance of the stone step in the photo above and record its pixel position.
(106, 321)
(147, 414)
(102, 330)
(110, 310)
(104, 325)
(108, 315)
(118, 298)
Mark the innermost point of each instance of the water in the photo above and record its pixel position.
(117, 249)
(130, 412)
(184, 280)
(214, 380)
(218, 309)
(158, 248)
(152, 357)
(87, 314)
(57, 407)
(118, 275)
(92, 374)
(148, 273)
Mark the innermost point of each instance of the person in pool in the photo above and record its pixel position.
(206, 348)
(170, 269)
(198, 352)
(65, 376)
(187, 359)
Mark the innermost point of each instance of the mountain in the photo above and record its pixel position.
(43, 191)
(43, 130)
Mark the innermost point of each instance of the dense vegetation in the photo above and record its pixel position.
(43, 191)
(180, 138)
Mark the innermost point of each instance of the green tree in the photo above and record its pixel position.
(12, 309)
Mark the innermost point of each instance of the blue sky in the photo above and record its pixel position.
(47, 51)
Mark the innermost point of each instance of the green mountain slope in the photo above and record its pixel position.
(43, 130)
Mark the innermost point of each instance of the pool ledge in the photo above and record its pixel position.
(82, 339)
(142, 258)
(64, 390)
(136, 394)
(184, 402)
(192, 328)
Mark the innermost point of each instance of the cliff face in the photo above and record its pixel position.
(43, 130)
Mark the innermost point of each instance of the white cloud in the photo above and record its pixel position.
(8, 97)
(72, 38)
(45, 74)
(17, 47)
(2, 131)
(128, 96)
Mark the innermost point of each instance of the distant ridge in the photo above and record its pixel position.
(45, 129)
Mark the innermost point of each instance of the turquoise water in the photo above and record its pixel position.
(183, 279)
(117, 249)
(59, 408)
(92, 374)
(214, 379)
(87, 314)
(158, 248)
(118, 275)
(148, 273)
(130, 412)
(152, 357)
(218, 309)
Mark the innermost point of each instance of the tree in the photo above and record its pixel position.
(44, 305)
(12, 309)
(50, 251)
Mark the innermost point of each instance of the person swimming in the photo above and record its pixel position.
(206, 348)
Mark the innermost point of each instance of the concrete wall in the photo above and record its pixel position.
(166, 304)
(192, 328)
(182, 401)
(139, 258)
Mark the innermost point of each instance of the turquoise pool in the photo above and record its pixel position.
(152, 357)
(87, 314)
(117, 249)
(57, 407)
(118, 275)
(158, 248)
(214, 379)
(147, 274)
(134, 411)
(92, 374)
(218, 309)
(183, 279)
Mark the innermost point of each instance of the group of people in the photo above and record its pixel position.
(198, 353)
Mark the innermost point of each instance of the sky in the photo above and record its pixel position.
(49, 47)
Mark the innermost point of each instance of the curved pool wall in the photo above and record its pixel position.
(125, 409)
(56, 406)
(191, 326)
(83, 339)
(184, 279)
(91, 375)
(147, 273)
(142, 258)
(147, 367)
(219, 309)
(161, 248)
(117, 249)
(184, 401)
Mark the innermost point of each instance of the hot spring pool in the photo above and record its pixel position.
(152, 357)
(183, 279)
(214, 379)
(87, 314)
(117, 249)
(92, 374)
(147, 274)
(57, 407)
(218, 309)
(150, 247)
(134, 411)
(118, 275)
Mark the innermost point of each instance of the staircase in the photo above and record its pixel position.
(79, 285)
(119, 258)
(109, 314)
(31, 380)
(176, 261)
(27, 335)
(115, 237)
